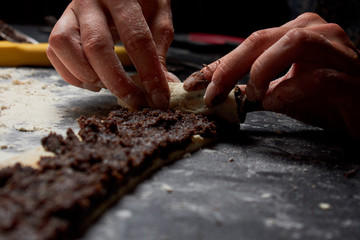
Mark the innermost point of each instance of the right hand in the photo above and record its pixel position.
(321, 83)
(81, 47)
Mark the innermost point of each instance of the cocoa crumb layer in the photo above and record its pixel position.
(53, 201)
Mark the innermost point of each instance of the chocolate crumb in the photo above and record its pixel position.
(351, 173)
(53, 201)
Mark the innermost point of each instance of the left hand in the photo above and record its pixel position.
(321, 87)
(81, 48)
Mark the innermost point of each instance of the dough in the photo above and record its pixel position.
(193, 102)
(29, 158)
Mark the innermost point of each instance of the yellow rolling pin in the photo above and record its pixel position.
(28, 54)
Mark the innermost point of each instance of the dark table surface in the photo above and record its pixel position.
(276, 178)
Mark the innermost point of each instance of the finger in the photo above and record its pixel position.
(314, 22)
(319, 97)
(297, 46)
(62, 70)
(97, 44)
(171, 77)
(237, 63)
(65, 42)
(162, 30)
(325, 83)
(305, 20)
(66, 74)
(137, 39)
(336, 35)
(234, 66)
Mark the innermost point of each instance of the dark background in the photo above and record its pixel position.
(31, 12)
(231, 17)
(213, 16)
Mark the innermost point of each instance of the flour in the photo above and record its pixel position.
(26, 105)
(35, 102)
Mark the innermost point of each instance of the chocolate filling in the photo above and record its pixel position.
(53, 201)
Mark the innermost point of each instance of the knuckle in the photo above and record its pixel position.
(297, 34)
(135, 40)
(167, 29)
(337, 30)
(310, 17)
(326, 75)
(50, 54)
(258, 38)
(297, 37)
(93, 44)
(58, 39)
(322, 76)
(331, 81)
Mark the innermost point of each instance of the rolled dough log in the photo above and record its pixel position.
(193, 102)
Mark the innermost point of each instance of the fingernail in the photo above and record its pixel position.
(195, 81)
(159, 100)
(195, 76)
(91, 87)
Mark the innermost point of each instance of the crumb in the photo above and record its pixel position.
(278, 131)
(231, 160)
(5, 76)
(270, 222)
(351, 173)
(4, 147)
(23, 129)
(295, 188)
(167, 188)
(324, 206)
(18, 82)
(266, 195)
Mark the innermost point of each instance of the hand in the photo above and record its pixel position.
(81, 47)
(321, 86)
